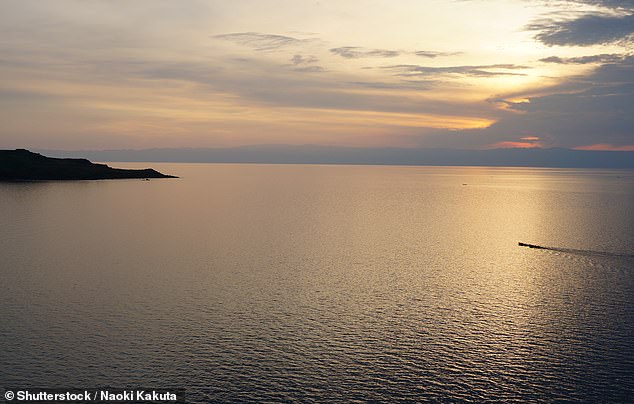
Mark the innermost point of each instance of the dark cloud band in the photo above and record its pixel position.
(589, 29)
(582, 60)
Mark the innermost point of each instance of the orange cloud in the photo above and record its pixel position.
(515, 145)
(606, 147)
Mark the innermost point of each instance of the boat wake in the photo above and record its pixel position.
(587, 253)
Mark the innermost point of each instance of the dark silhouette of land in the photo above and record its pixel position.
(24, 165)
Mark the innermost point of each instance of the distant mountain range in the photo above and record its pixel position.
(286, 154)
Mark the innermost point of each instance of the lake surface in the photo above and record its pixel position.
(317, 283)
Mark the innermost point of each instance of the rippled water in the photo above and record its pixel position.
(314, 283)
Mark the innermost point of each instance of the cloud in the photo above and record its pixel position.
(305, 64)
(259, 41)
(309, 69)
(113, 72)
(601, 113)
(586, 30)
(266, 83)
(606, 147)
(356, 52)
(474, 71)
(595, 111)
(401, 85)
(515, 145)
(303, 60)
(526, 142)
(610, 4)
(582, 60)
(433, 54)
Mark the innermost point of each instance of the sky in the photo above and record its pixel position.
(462, 74)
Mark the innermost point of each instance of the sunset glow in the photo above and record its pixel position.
(204, 73)
(515, 145)
(606, 147)
(263, 201)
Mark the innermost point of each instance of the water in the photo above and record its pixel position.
(316, 283)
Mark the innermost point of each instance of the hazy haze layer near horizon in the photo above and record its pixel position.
(317, 283)
(280, 154)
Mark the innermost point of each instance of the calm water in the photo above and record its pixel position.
(273, 282)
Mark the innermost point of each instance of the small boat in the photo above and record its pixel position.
(530, 245)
